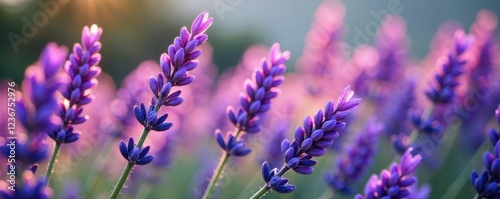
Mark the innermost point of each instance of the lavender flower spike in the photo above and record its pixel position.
(486, 184)
(311, 140)
(175, 66)
(42, 90)
(257, 100)
(82, 70)
(443, 90)
(356, 160)
(395, 182)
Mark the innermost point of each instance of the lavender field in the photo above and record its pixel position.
(205, 104)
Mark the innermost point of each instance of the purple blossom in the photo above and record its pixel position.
(443, 91)
(36, 110)
(481, 88)
(311, 140)
(164, 154)
(419, 192)
(358, 157)
(274, 181)
(272, 150)
(135, 154)
(396, 109)
(180, 58)
(149, 119)
(36, 114)
(256, 101)
(395, 182)
(229, 85)
(31, 187)
(82, 70)
(175, 65)
(323, 50)
(134, 90)
(384, 64)
(486, 184)
(392, 46)
(28, 152)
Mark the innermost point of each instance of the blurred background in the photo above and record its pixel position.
(135, 31)
(138, 30)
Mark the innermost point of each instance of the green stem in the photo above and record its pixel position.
(128, 168)
(218, 170)
(51, 163)
(262, 191)
(216, 175)
(121, 181)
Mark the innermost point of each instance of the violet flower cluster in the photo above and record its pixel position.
(135, 155)
(36, 110)
(395, 182)
(356, 160)
(82, 69)
(257, 100)
(41, 91)
(311, 140)
(30, 188)
(442, 94)
(444, 89)
(486, 183)
(175, 65)
(39, 107)
(28, 153)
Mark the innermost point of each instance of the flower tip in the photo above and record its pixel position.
(94, 29)
(201, 23)
(462, 41)
(497, 114)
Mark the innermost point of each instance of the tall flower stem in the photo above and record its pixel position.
(128, 168)
(216, 175)
(218, 170)
(51, 162)
(255, 102)
(121, 181)
(415, 133)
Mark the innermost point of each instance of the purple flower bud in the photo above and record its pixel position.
(394, 183)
